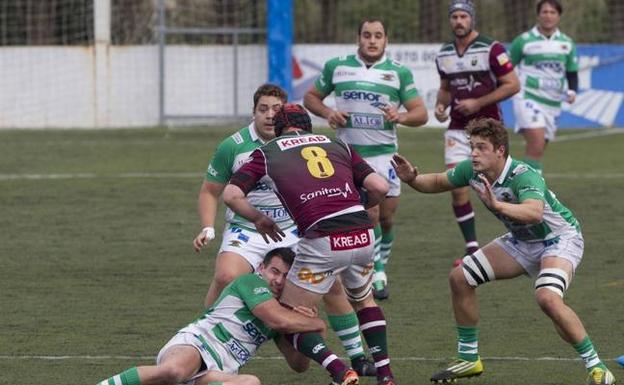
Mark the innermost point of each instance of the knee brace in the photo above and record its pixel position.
(552, 279)
(477, 269)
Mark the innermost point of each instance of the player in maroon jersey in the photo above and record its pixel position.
(475, 74)
(318, 181)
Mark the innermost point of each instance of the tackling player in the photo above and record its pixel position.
(475, 74)
(547, 64)
(544, 241)
(211, 349)
(369, 88)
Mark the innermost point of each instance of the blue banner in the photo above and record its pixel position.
(601, 90)
(279, 42)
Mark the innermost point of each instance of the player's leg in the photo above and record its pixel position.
(309, 278)
(343, 320)
(457, 149)
(178, 364)
(357, 280)
(487, 264)
(380, 278)
(531, 123)
(553, 280)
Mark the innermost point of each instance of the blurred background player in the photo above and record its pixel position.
(242, 248)
(198, 353)
(369, 88)
(337, 236)
(546, 61)
(475, 74)
(544, 241)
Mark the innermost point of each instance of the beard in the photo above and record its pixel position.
(462, 32)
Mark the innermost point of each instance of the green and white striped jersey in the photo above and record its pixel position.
(230, 326)
(231, 154)
(542, 63)
(361, 92)
(517, 183)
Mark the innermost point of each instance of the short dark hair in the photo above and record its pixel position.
(491, 129)
(373, 20)
(268, 89)
(284, 253)
(556, 4)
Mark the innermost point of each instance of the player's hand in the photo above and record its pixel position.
(203, 238)
(468, 106)
(487, 195)
(403, 168)
(391, 114)
(337, 119)
(268, 229)
(440, 113)
(311, 312)
(571, 96)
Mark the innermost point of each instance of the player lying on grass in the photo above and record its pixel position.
(544, 241)
(211, 349)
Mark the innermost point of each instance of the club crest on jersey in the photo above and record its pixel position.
(292, 142)
(350, 241)
(502, 58)
(474, 61)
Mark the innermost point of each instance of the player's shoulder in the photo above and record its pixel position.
(522, 171)
(447, 48)
(564, 37)
(250, 281)
(238, 140)
(349, 60)
(484, 41)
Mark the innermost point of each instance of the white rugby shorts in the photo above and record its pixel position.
(382, 166)
(456, 147)
(530, 115)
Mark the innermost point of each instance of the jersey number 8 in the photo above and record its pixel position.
(318, 164)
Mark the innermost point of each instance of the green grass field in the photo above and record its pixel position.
(98, 272)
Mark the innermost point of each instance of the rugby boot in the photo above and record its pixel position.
(388, 380)
(599, 376)
(348, 377)
(380, 285)
(458, 369)
(364, 367)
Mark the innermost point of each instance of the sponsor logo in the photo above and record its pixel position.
(239, 352)
(388, 77)
(344, 73)
(450, 143)
(318, 348)
(350, 241)
(506, 197)
(238, 138)
(391, 174)
(253, 331)
(502, 58)
(555, 66)
(460, 65)
(261, 186)
(327, 192)
(361, 95)
(261, 290)
(306, 275)
(374, 349)
(288, 143)
(243, 237)
(212, 171)
(366, 270)
(367, 121)
(277, 213)
(466, 83)
(235, 243)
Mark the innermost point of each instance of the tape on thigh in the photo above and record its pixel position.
(552, 279)
(477, 269)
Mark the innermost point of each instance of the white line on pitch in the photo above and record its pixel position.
(165, 175)
(273, 358)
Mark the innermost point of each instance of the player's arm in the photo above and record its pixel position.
(508, 85)
(530, 211)
(375, 186)
(235, 193)
(443, 100)
(284, 320)
(207, 204)
(425, 183)
(313, 101)
(415, 115)
(297, 361)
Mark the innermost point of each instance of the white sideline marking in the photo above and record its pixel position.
(278, 358)
(165, 175)
(591, 134)
(88, 175)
